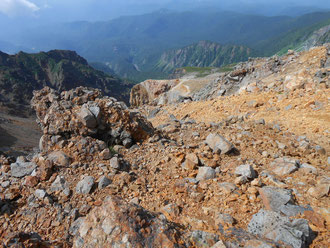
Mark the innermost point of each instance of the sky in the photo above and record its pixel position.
(93, 10)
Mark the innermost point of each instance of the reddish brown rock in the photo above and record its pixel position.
(191, 162)
(31, 181)
(119, 224)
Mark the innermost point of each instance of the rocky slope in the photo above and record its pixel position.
(258, 74)
(22, 73)
(203, 54)
(318, 38)
(247, 169)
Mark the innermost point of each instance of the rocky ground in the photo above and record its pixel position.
(243, 170)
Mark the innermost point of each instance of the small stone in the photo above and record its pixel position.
(319, 191)
(288, 107)
(74, 228)
(127, 143)
(241, 180)
(85, 185)
(281, 145)
(195, 134)
(227, 187)
(191, 162)
(246, 170)
(309, 168)
(118, 148)
(219, 244)
(224, 219)
(125, 135)
(320, 150)
(219, 144)
(171, 211)
(84, 209)
(203, 239)
(87, 117)
(31, 181)
(40, 194)
(114, 163)
(59, 158)
(265, 154)
(315, 218)
(5, 184)
(104, 182)
(59, 184)
(105, 154)
(135, 200)
(205, 173)
(256, 182)
(261, 122)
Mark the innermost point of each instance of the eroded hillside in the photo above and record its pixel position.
(240, 161)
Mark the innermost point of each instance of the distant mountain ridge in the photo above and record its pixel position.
(203, 54)
(22, 73)
(131, 46)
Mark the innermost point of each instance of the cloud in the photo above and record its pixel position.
(18, 7)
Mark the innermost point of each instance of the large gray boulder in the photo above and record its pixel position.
(274, 226)
(22, 168)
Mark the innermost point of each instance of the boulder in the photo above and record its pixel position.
(114, 163)
(119, 224)
(284, 166)
(59, 158)
(86, 114)
(274, 198)
(21, 168)
(87, 117)
(191, 162)
(149, 90)
(274, 226)
(246, 170)
(85, 186)
(205, 173)
(103, 182)
(218, 143)
(60, 184)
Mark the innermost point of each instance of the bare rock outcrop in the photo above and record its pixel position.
(118, 224)
(85, 112)
(147, 91)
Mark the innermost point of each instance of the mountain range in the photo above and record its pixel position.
(203, 54)
(131, 46)
(23, 73)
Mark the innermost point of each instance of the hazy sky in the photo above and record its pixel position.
(70, 10)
